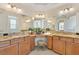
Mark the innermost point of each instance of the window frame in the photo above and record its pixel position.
(12, 18)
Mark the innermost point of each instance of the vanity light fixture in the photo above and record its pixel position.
(66, 10)
(13, 7)
(40, 16)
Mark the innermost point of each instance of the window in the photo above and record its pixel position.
(39, 24)
(61, 26)
(12, 20)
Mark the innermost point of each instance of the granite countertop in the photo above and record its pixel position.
(66, 35)
(4, 38)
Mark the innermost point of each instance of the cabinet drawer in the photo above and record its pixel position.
(56, 37)
(13, 41)
(17, 40)
(27, 37)
(21, 39)
(67, 39)
(4, 43)
(49, 36)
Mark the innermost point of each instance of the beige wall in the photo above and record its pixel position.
(4, 22)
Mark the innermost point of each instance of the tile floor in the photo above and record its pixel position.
(45, 51)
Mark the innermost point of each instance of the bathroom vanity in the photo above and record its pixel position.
(65, 44)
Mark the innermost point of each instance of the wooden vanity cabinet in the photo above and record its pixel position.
(50, 42)
(17, 46)
(58, 45)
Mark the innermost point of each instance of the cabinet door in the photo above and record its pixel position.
(32, 43)
(50, 42)
(69, 45)
(9, 50)
(76, 49)
(72, 48)
(58, 45)
(22, 47)
(69, 48)
(28, 45)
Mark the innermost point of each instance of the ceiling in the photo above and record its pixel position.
(49, 9)
(36, 8)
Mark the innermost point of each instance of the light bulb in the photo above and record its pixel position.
(14, 8)
(71, 9)
(9, 6)
(66, 10)
(61, 12)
